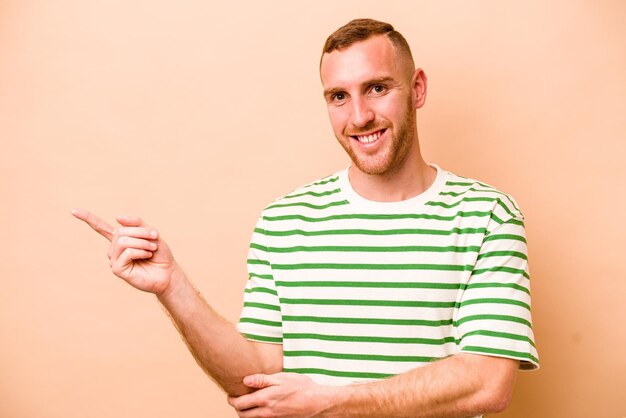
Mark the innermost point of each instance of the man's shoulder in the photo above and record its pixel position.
(469, 190)
(315, 194)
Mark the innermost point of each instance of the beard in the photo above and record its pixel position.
(389, 159)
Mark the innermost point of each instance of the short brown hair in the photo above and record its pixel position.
(361, 29)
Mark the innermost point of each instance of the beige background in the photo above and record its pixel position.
(196, 114)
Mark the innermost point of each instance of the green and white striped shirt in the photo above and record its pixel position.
(357, 290)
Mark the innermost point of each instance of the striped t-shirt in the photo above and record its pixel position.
(357, 290)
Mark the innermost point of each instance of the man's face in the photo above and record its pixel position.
(369, 89)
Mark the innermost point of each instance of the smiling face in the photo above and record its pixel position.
(372, 91)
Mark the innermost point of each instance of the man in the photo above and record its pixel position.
(392, 288)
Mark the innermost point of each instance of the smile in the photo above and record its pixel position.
(369, 138)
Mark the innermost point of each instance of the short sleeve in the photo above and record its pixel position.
(494, 313)
(260, 318)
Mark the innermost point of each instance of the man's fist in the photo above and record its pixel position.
(137, 254)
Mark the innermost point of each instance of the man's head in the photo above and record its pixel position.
(372, 90)
(362, 29)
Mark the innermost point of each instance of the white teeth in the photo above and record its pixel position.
(369, 138)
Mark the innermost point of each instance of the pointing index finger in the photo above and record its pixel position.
(130, 221)
(97, 224)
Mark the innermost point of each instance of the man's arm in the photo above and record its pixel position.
(219, 349)
(143, 259)
(463, 385)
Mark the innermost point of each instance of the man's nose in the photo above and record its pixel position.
(362, 113)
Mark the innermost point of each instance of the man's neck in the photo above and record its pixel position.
(412, 179)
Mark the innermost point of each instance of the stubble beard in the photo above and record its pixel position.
(393, 157)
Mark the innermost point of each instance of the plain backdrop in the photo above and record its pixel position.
(197, 114)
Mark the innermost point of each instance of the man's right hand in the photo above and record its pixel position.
(137, 253)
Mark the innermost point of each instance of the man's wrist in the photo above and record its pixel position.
(176, 286)
(331, 399)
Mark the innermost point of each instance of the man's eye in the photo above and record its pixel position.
(339, 96)
(378, 89)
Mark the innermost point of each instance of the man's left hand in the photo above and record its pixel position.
(284, 395)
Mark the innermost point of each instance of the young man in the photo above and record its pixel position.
(392, 288)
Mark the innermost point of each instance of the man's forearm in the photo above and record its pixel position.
(222, 352)
(463, 385)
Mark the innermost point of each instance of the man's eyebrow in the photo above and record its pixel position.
(332, 91)
(380, 80)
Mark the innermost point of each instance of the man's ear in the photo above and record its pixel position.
(419, 83)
